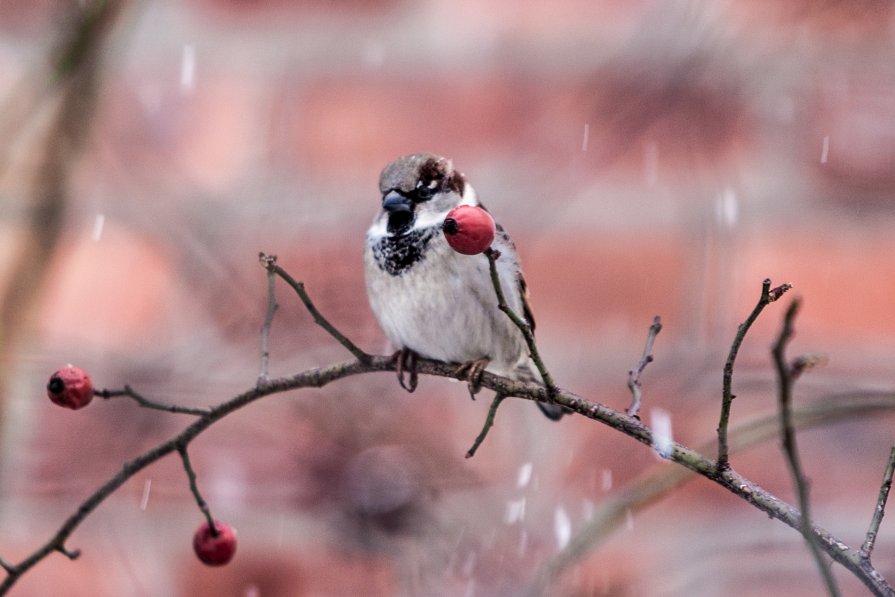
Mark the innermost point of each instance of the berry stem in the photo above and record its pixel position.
(129, 392)
(194, 487)
(520, 323)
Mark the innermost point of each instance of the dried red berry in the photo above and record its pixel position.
(70, 387)
(215, 550)
(468, 229)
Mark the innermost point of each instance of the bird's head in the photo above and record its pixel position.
(419, 190)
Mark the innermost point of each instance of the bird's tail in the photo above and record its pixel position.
(552, 411)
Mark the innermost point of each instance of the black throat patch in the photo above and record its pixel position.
(397, 254)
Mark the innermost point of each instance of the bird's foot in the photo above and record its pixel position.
(473, 371)
(405, 363)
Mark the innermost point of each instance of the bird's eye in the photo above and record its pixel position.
(425, 190)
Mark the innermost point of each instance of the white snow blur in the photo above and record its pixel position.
(98, 224)
(562, 526)
(606, 479)
(515, 511)
(660, 421)
(727, 208)
(144, 501)
(188, 68)
(524, 475)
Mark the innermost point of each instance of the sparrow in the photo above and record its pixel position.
(431, 301)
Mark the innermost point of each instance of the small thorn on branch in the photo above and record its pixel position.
(10, 569)
(268, 262)
(70, 554)
(645, 359)
(806, 362)
(777, 292)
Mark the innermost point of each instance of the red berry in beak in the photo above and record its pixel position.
(70, 387)
(215, 550)
(468, 229)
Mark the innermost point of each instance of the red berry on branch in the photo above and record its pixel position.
(215, 550)
(468, 229)
(70, 387)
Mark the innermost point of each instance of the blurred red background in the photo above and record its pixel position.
(648, 158)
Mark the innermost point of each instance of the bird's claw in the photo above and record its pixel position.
(405, 362)
(473, 371)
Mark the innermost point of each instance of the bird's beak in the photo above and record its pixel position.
(400, 212)
(393, 202)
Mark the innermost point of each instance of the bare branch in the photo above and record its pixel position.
(194, 489)
(129, 392)
(880, 510)
(646, 359)
(520, 323)
(489, 422)
(272, 306)
(270, 264)
(768, 296)
(785, 381)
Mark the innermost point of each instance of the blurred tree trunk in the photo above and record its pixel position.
(56, 113)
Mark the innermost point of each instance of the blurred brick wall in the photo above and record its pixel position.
(649, 158)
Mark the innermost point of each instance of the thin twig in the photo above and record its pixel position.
(129, 392)
(768, 296)
(520, 323)
(880, 510)
(272, 306)
(489, 421)
(270, 264)
(194, 488)
(785, 382)
(645, 359)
